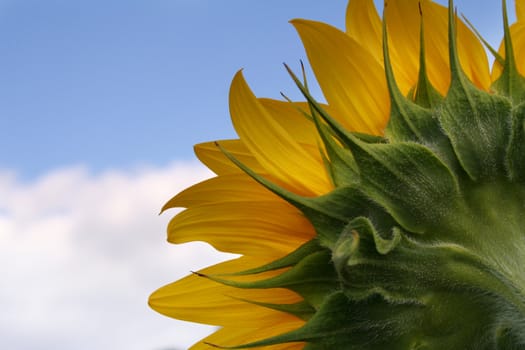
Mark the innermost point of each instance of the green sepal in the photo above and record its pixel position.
(345, 324)
(515, 155)
(338, 129)
(329, 213)
(340, 162)
(344, 204)
(347, 250)
(420, 271)
(369, 138)
(409, 269)
(415, 121)
(476, 122)
(318, 210)
(415, 296)
(497, 57)
(302, 309)
(510, 84)
(411, 123)
(444, 321)
(407, 179)
(363, 226)
(425, 94)
(308, 248)
(313, 278)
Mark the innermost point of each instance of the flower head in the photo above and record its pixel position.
(390, 217)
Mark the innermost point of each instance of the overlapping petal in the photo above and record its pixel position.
(211, 156)
(290, 116)
(232, 187)
(198, 299)
(363, 24)
(403, 23)
(472, 55)
(250, 228)
(352, 80)
(231, 336)
(518, 41)
(272, 146)
(235, 214)
(520, 10)
(517, 32)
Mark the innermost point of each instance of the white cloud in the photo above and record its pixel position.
(80, 253)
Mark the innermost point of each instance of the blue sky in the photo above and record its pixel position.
(101, 102)
(115, 83)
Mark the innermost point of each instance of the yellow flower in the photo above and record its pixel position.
(299, 195)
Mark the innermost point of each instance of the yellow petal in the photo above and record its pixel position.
(273, 147)
(270, 228)
(403, 23)
(210, 155)
(288, 115)
(224, 188)
(518, 41)
(517, 33)
(199, 299)
(403, 19)
(520, 10)
(231, 336)
(473, 57)
(363, 24)
(352, 80)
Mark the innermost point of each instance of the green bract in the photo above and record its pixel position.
(422, 243)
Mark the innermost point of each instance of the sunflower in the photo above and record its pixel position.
(389, 217)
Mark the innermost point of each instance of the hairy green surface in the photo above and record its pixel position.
(422, 243)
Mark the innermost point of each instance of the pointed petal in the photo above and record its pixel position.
(272, 145)
(403, 23)
(520, 10)
(198, 299)
(363, 24)
(473, 57)
(210, 155)
(518, 41)
(250, 227)
(352, 80)
(402, 19)
(288, 115)
(220, 189)
(517, 32)
(231, 336)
